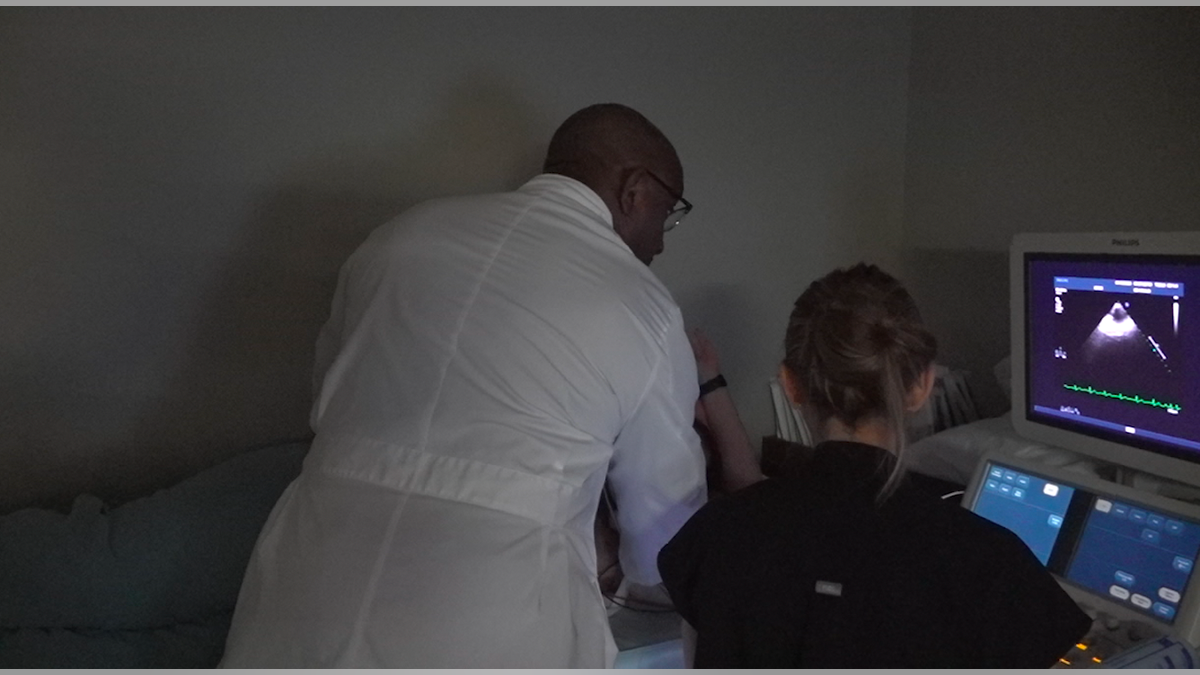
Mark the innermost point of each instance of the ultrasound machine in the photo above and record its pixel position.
(1105, 368)
(1106, 364)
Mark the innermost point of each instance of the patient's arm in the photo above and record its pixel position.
(608, 566)
(739, 462)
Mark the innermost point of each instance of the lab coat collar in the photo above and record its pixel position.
(571, 189)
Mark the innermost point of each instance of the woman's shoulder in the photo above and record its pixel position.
(959, 537)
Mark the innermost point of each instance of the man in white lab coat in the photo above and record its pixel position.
(488, 361)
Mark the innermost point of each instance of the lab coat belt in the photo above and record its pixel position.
(457, 479)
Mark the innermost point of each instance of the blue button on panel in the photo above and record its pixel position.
(1156, 521)
(1120, 510)
(1054, 520)
(1005, 489)
(1182, 564)
(996, 473)
(1018, 493)
(1124, 578)
(992, 485)
(1137, 515)
(1010, 476)
(1023, 480)
(1165, 611)
(1150, 536)
(1174, 527)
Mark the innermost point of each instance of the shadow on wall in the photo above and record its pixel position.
(484, 139)
(963, 298)
(867, 221)
(247, 378)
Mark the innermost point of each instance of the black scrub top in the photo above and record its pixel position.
(806, 570)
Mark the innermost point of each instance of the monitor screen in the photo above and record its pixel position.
(1029, 505)
(1127, 551)
(1108, 350)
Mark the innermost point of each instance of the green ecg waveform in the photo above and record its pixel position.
(1122, 397)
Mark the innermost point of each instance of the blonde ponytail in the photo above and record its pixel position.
(894, 393)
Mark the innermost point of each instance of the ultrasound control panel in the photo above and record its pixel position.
(1125, 556)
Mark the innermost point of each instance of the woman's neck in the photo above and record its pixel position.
(871, 432)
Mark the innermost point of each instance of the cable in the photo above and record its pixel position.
(648, 608)
(956, 493)
(606, 570)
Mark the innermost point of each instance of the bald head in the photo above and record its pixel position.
(596, 143)
(630, 165)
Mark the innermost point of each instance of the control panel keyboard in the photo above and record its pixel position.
(1107, 638)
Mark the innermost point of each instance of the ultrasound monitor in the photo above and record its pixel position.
(1128, 553)
(1106, 347)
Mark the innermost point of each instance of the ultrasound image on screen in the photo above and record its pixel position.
(1113, 348)
(1120, 348)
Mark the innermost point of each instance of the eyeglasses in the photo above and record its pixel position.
(676, 215)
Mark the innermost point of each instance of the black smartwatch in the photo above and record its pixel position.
(712, 385)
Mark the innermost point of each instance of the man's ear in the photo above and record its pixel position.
(790, 386)
(919, 393)
(630, 190)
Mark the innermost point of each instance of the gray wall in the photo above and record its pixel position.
(1040, 120)
(178, 188)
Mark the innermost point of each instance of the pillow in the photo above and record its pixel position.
(953, 454)
(176, 556)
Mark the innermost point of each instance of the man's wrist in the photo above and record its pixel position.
(712, 385)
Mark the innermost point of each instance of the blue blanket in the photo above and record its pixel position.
(150, 583)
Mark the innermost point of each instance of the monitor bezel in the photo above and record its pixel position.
(1187, 619)
(1097, 245)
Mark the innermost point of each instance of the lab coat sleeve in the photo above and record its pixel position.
(657, 471)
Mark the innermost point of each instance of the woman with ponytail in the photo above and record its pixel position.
(840, 562)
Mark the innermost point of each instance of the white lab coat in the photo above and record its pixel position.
(487, 361)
